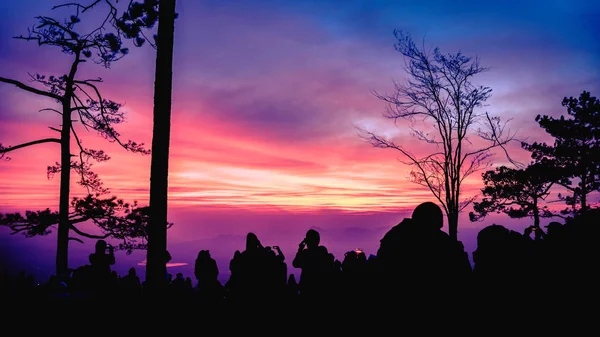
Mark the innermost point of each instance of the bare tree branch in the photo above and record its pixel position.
(87, 235)
(51, 109)
(75, 239)
(35, 142)
(30, 89)
(78, 6)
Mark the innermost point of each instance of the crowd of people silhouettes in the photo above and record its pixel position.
(416, 262)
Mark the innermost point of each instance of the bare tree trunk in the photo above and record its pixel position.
(536, 216)
(584, 193)
(62, 246)
(453, 223)
(157, 232)
(536, 221)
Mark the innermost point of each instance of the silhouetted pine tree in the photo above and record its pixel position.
(576, 149)
(81, 103)
(519, 193)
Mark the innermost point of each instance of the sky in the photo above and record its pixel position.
(267, 98)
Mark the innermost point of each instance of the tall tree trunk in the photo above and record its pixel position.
(453, 223)
(536, 220)
(584, 193)
(62, 245)
(156, 269)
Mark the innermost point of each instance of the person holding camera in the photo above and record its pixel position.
(314, 261)
(101, 261)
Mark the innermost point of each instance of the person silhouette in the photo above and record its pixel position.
(415, 255)
(440, 257)
(314, 261)
(100, 265)
(206, 272)
(131, 284)
(248, 272)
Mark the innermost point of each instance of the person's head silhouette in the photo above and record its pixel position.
(101, 246)
(428, 215)
(312, 238)
(252, 242)
(203, 255)
(554, 227)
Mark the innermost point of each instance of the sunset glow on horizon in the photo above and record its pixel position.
(268, 98)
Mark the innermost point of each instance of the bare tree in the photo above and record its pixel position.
(76, 98)
(439, 90)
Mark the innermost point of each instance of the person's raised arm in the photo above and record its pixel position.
(279, 253)
(299, 258)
